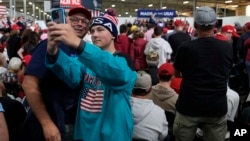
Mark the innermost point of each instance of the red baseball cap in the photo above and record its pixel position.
(166, 69)
(178, 23)
(165, 30)
(80, 9)
(230, 29)
(247, 26)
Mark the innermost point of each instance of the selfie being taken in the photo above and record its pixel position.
(125, 70)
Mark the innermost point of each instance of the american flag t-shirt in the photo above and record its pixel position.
(92, 100)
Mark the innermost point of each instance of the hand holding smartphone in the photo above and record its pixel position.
(58, 15)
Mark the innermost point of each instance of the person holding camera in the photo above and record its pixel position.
(106, 78)
(53, 103)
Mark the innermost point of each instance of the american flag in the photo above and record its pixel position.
(95, 13)
(190, 30)
(2, 10)
(92, 100)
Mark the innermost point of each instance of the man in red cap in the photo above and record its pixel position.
(162, 94)
(178, 26)
(227, 32)
(53, 103)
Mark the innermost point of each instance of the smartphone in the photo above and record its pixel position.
(58, 15)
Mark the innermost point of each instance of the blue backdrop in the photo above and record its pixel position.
(163, 13)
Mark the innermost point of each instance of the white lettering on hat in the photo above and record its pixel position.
(109, 25)
(100, 21)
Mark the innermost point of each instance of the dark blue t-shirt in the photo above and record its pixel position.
(60, 100)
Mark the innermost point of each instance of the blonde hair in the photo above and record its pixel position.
(15, 64)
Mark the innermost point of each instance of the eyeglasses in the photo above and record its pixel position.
(76, 20)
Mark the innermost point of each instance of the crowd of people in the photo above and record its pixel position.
(88, 81)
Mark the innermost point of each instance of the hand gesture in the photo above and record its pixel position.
(51, 132)
(63, 33)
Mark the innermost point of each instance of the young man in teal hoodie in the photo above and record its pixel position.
(105, 75)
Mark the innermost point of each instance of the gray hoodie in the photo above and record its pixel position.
(150, 122)
(163, 47)
(165, 97)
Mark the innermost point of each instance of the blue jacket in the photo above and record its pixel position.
(104, 111)
(1, 108)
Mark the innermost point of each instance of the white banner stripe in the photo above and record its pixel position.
(91, 103)
(91, 110)
(91, 106)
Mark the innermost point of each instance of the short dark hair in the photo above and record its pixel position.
(123, 28)
(204, 28)
(165, 78)
(158, 31)
(150, 25)
(129, 25)
(140, 92)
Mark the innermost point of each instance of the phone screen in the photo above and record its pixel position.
(57, 15)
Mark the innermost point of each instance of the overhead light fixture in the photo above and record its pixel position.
(234, 6)
(185, 2)
(113, 5)
(136, 10)
(36, 7)
(197, 7)
(150, 5)
(228, 1)
(30, 3)
(123, 0)
(126, 13)
(120, 15)
(164, 7)
(21, 10)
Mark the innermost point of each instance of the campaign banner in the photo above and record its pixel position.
(67, 4)
(161, 13)
(70, 3)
